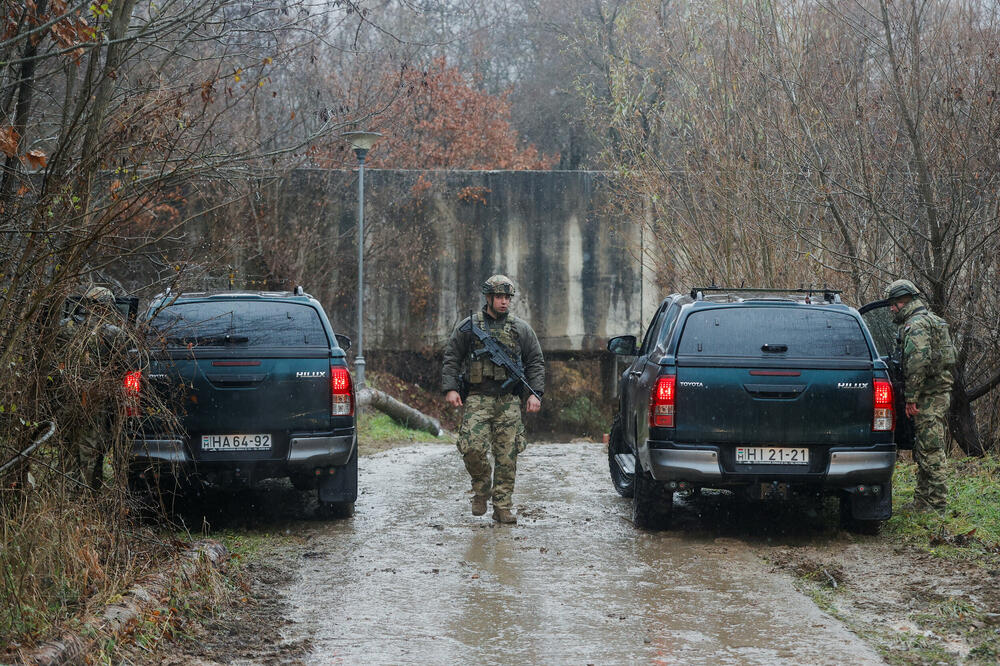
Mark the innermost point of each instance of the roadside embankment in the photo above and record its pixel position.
(927, 590)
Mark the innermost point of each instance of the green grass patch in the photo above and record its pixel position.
(376, 428)
(970, 527)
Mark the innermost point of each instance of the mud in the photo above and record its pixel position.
(914, 607)
(413, 577)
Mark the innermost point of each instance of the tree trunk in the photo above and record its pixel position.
(961, 420)
(400, 412)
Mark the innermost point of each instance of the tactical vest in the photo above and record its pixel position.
(943, 354)
(483, 368)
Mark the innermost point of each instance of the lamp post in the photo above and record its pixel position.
(361, 142)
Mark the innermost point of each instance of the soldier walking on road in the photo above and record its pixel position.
(927, 356)
(491, 422)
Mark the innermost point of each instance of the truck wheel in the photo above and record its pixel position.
(652, 503)
(623, 482)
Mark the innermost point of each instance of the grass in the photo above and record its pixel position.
(378, 431)
(968, 532)
(192, 601)
(969, 529)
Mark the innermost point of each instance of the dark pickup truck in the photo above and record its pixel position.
(761, 392)
(260, 387)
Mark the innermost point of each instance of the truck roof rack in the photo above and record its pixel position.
(829, 295)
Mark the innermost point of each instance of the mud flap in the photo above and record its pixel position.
(342, 485)
(872, 507)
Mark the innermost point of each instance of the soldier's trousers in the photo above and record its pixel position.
(929, 449)
(492, 425)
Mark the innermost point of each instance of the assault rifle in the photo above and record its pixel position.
(498, 355)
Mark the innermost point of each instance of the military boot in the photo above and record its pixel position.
(478, 505)
(503, 515)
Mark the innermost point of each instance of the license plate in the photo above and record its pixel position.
(235, 442)
(771, 455)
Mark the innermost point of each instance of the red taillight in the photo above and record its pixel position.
(884, 415)
(133, 389)
(341, 392)
(661, 402)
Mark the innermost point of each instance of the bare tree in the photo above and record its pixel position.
(844, 143)
(119, 123)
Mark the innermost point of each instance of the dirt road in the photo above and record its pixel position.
(413, 577)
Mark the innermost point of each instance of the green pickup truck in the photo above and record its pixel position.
(259, 384)
(765, 393)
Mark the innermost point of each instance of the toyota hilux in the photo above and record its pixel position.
(762, 392)
(259, 387)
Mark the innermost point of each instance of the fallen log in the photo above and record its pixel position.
(400, 412)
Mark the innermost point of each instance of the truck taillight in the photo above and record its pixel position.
(885, 416)
(661, 402)
(341, 392)
(133, 389)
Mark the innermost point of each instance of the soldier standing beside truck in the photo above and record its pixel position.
(93, 349)
(491, 422)
(927, 355)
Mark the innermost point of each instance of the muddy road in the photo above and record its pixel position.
(414, 577)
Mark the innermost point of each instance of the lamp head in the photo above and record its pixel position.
(361, 142)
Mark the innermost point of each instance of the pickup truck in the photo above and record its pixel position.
(260, 388)
(761, 392)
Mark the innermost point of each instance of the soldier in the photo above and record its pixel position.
(93, 346)
(491, 422)
(927, 356)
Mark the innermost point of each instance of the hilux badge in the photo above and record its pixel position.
(852, 385)
(310, 374)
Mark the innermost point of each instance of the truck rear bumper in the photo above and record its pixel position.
(304, 452)
(860, 466)
(685, 465)
(704, 466)
(311, 452)
(165, 451)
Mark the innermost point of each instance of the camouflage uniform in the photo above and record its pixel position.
(91, 346)
(491, 421)
(927, 355)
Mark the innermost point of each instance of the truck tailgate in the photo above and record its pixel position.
(255, 394)
(772, 405)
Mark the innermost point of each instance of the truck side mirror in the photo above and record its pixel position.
(623, 345)
(343, 341)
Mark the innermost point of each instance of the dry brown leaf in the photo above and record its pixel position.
(8, 141)
(35, 159)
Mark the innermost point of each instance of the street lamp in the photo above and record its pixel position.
(361, 142)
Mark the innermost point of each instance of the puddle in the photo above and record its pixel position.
(414, 577)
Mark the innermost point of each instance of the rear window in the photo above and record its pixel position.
(239, 323)
(773, 332)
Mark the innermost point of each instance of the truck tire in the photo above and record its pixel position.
(652, 503)
(623, 482)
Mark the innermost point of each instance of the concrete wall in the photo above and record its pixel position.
(578, 281)
(573, 260)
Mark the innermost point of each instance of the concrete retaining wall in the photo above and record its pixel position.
(573, 260)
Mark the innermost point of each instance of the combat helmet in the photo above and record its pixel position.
(901, 288)
(498, 284)
(99, 295)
